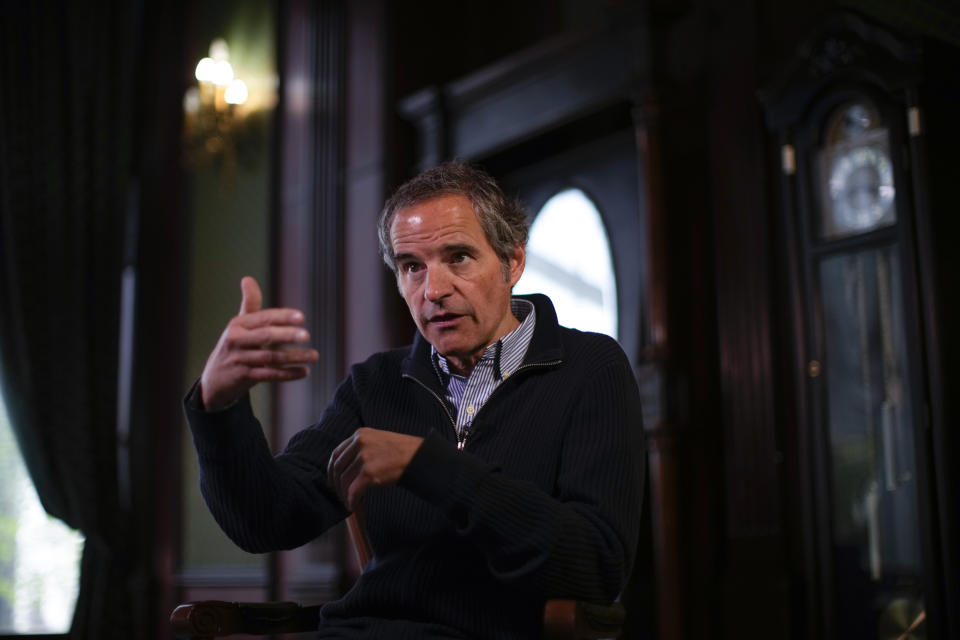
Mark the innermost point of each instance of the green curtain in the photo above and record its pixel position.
(67, 86)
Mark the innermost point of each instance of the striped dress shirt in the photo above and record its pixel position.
(499, 360)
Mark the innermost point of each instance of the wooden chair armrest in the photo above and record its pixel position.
(204, 620)
(573, 620)
(215, 619)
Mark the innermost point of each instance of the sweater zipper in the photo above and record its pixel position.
(446, 410)
(462, 437)
(532, 365)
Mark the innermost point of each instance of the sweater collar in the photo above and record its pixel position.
(545, 345)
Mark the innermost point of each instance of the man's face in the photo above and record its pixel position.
(451, 278)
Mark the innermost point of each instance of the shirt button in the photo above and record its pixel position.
(470, 409)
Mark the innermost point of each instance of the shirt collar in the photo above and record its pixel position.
(506, 354)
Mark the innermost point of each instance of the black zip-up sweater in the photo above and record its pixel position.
(544, 501)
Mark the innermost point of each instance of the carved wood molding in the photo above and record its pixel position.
(528, 93)
(847, 46)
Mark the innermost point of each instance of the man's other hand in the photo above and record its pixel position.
(370, 457)
(257, 345)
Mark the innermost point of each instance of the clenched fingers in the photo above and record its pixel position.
(370, 457)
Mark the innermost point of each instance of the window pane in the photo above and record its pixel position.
(568, 259)
(39, 555)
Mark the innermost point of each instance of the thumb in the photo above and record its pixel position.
(252, 298)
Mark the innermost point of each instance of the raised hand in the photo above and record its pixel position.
(370, 457)
(257, 345)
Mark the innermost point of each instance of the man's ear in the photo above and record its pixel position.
(516, 263)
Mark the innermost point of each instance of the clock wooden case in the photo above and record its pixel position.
(871, 504)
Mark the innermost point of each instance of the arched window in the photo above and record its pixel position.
(568, 259)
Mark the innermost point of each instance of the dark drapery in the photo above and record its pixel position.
(67, 85)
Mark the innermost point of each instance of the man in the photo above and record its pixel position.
(497, 459)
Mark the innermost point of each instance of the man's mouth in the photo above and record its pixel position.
(444, 320)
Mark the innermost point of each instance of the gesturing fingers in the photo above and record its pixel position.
(277, 358)
(252, 298)
(277, 374)
(258, 345)
(239, 337)
(279, 316)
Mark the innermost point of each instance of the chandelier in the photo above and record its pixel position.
(214, 109)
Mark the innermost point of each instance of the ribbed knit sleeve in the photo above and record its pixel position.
(578, 542)
(261, 502)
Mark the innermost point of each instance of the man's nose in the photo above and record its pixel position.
(438, 285)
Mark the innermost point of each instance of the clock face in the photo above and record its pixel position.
(861, 189)
(857, 183)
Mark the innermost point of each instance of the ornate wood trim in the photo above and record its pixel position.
(502, 105)
(307, 256)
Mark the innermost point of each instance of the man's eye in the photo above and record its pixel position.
(460, 258)
(410, 267)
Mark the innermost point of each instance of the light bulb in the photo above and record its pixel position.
(191, 100)
(219, 50)
(222, 73)
(236, 92)
(205, 70)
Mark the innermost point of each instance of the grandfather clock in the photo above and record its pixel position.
(845, 119)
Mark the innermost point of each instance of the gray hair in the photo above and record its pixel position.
(502, 219)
